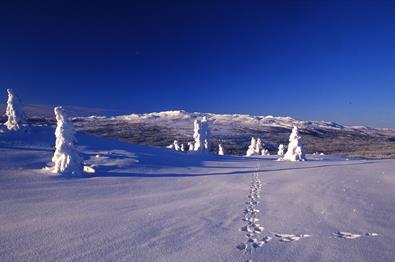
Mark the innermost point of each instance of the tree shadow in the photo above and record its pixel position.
(113, 173)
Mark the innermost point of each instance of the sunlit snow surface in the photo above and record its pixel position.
(154, 204)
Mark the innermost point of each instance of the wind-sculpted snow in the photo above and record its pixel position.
(155, 204)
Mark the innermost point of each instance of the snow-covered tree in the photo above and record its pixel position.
(175, 145)
(190, 146)
(66, 159)
(258, 147)
(265, 152)
(182, 148)
(196, 135)
(281, 150)
(255, 148)
(251, 147)
(221, 151)
(201, 135)
(14, 112)
(295, 150)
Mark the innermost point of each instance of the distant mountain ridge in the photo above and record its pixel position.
(234, 131)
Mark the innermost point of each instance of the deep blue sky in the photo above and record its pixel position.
(329, 60)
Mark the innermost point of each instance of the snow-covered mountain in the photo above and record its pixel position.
(235, 131)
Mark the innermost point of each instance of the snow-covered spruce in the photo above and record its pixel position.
(221, 151)
(201, 134)
(255, 147)
(175, 146)
(295, 150)
(14, 112)
(258, 147)
(66, 159)
(251, 147)
(281, 150)
(190, 146)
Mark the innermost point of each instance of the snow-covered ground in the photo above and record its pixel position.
(154, 204)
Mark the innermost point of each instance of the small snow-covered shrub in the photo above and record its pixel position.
(281, 150)
(265, 152)
(190, 146)
(174, 146)
(221, 151)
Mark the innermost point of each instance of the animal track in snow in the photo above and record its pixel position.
(371, 234)
(348, 235)
(290, 237)
(253, 229)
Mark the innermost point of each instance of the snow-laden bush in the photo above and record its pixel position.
(265, 152)
(281, 150)
(182, 147)
(201, 135)
(191, 146)
(251, 147)
(295, 150)
(175, 146)
(221, 151)
(66, 158)
(256, 147)
(14, 112)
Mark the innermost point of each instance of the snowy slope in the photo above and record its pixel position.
(153, 204)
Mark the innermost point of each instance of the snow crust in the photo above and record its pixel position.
(154, 204)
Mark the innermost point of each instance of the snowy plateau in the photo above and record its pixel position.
(141, 201)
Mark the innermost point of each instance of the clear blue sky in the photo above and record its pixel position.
(329, 60)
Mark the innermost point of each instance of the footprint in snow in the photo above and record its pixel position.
(290, 237)
(372, 234)
(346, 235)
(259, 243)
